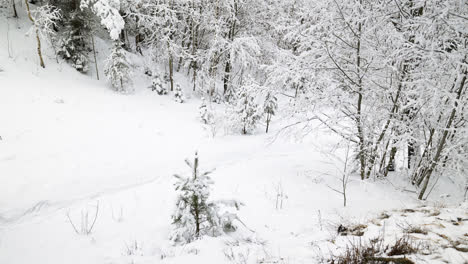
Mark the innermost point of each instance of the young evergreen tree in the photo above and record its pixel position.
(73, 45)
(178, 94)
(245, 113)
(194, 215)
(205, 114)
(157, 85)
(118, 70)
(269, 108)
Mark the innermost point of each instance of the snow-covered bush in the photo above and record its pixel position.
(156, 85)
(178, 94)
(118, 69)
(86, 223)
(206, 115)
(73, 45)
(216, 98)
(148, 71)
(196, 216)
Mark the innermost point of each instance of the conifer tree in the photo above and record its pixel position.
(269, 108)
(178, 94)
(73, 46)
(156, 85)
(245, 113)
(205, 114)
(118, 70)
(194, 215)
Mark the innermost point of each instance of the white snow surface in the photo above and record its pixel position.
(70, 143)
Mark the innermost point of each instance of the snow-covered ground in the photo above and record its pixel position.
(70, 145)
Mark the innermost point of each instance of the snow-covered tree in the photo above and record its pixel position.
(46, 18)
(195, 215)
(178, 94)
(436, 92)
(270, 105)
(381, 75)
(157, 85)
(206, 115)
(108, 13)
(43, 20)
(118, 69)
(245, 113)
(160, 22)
(73, 46)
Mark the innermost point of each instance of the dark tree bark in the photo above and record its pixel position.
(15, 14)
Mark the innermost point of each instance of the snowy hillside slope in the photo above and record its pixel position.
(70, 145)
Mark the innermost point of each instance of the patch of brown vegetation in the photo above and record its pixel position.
(353, 230)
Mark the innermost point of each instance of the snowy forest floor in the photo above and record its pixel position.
(70, 145)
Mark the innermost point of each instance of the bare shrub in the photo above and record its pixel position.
(133, 249)
(86, 221)
(280, 196)
(374, 252)
(238, 256)
(413, 229)
(118, 217)
(358, 252)
(403, 246)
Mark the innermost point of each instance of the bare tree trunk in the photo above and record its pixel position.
(362, 143)
(384, 131)
(228, 67)
(8, 40)
(227, 74)
(138, 37)
(194, 50)
(37, 35)
(390, 165)
(15, 14)
(171, 69)
(212, 71)
(183, 45)
(94, 54)
(268, 122)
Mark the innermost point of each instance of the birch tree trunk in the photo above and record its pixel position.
(39, 52)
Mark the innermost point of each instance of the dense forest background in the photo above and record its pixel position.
(388, 77)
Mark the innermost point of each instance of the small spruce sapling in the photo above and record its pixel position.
(178, 94)
(193, 216)
(196, 216)
(206, 115)
(246, 112)
(156, 85)
(269, 108)
(73, 45)
(118, 69)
